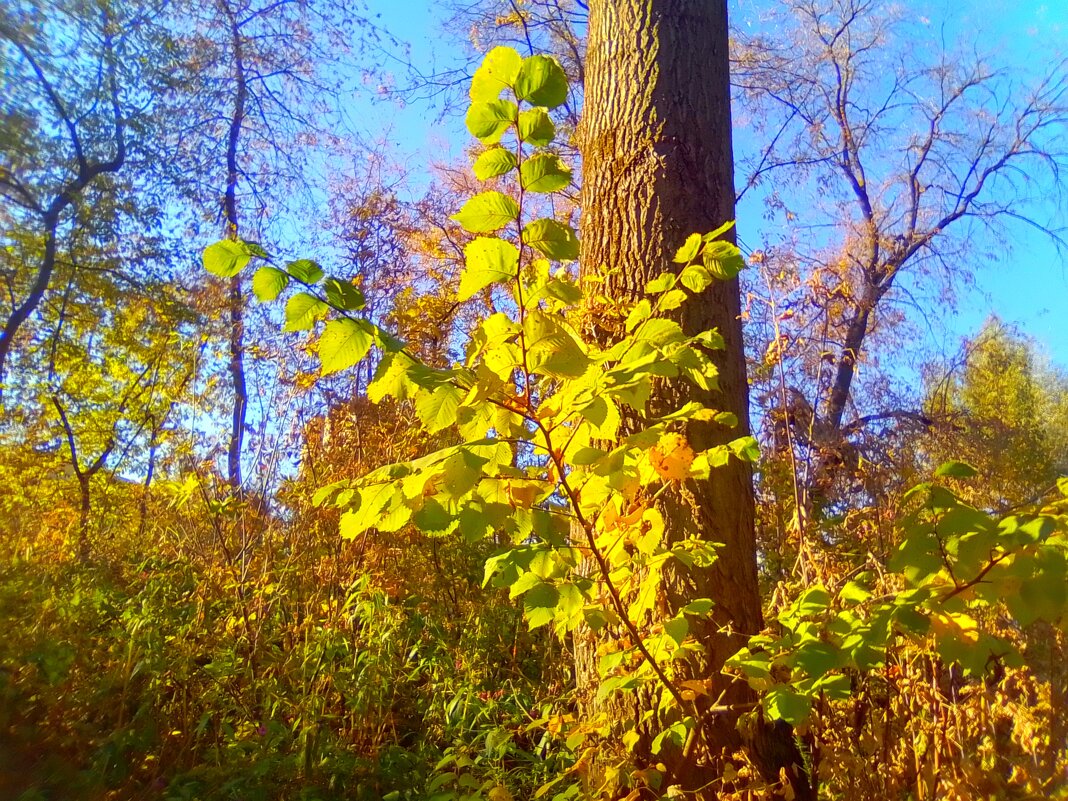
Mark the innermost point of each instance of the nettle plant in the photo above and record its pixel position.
(546, 466)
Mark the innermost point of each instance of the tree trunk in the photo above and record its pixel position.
(84, 517)
(657, 166)
(236, 302)
(146, 485)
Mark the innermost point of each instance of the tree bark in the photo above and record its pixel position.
(657, 159)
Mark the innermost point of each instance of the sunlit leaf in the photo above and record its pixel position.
(343, 344)
(487, 212)
(499, 70)
(302, 310)
(268, 283)
(541, 81)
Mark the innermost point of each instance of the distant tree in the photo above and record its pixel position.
(886, 162)
(112, 383)
(1004, 413)
(80, 85)
(261, 83)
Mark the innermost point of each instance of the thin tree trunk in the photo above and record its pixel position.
(85, 478)
(146, 486)
(236, 305)
(85, 513)
(657, 166)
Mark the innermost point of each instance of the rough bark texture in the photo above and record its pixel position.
(657, 166)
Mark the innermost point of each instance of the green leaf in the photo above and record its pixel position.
(956, 470)
(302, 310)
(745, 448)
(686, 253)
(544, 172)
(854, 592)
(268, 283)
(498, 71)
(494, 162)
(561, 289)
(753, 664)
(813, 601)
(722, 259)
(487, 122)
(474, 523)
(539, 604)
(437, 409)
(552, 349)
(553, 239)
(783, 703)
(696, 278)
(536, 127)
(463, 471)
(305, 270)
(912, 620)
(344, 343)
(226, 258)
(392, 379)
(677, 628)
(662, 283)
(603, 416)
(674, 736)
(432, 517)
(343, 295)
(571, 601)
(712, 235)
(836, 687)
(542, 82)
(641, 312)
(487, 261)
(660, 332)
(700, 606)
(672, 299)
(818, 658)
(1044, 592)
(487, 212)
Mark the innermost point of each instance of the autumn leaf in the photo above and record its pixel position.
(671, 457)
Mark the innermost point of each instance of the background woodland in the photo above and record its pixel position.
(189, 614)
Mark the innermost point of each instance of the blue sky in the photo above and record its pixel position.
(1026, 284)
(1029, 286)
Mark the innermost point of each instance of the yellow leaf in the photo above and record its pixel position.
(522, 495)
(556, 723)
(671, 457)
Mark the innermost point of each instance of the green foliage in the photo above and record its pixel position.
(228, 257)
(955, 568)
(1006, 414)
(543, 465)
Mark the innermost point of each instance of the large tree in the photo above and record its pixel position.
(79, 110)
(888, 164)
(657, 158)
